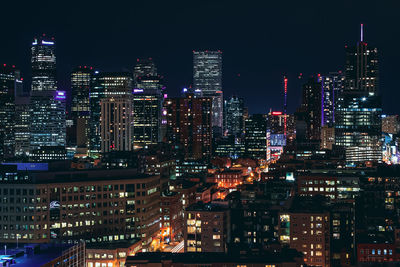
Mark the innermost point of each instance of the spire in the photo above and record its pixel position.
(362, 33)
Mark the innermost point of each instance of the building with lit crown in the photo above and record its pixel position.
(47, 104)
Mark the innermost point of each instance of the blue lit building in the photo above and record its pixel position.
(358, 112)
(47, 104)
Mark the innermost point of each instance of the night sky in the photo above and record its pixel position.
(261, 40)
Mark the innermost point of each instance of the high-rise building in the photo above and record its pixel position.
(95, 96)
(81, 83)
(22, 123)
(43, 64)
(147, 104)
(234, 119)
(47, 105)
(207, 76)
(276, 139)
(361, 68)
(189, 125)
(359, 108)
(116, 124)
(47, 115)
(256, 136)
(143, 68)
(105, 85)
(8, 80)
(311, 105)
(332, 85)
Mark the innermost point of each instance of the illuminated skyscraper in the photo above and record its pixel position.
(234, 117)
(256, 136)
(332, 85)
(358, 109)
(81, 83)
(147, 104)
(189, 125)
(8, 79)
(106, 85)
(47, 105)
(311, 108)
(116, 124)
(207, 76)
(143, 68)
(361, 69)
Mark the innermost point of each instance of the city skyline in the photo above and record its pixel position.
(246, 50)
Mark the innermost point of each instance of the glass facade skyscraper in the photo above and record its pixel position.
(47, 105)
(332, 86)
(207, 76)
(147, 104)
(8, 79)
(359, 108)
(106, 86)
(81, 83)
(234, 119)
(256, 136)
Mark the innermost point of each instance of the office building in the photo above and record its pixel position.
(22, 123)
(189, 125)
(207, 76)
(234, 119)
(312, 108)
(332, 84)
(105, 85)
(69, 206)
(116, 124)
(148, 99)
(359, 109)
(81, 84)
(256, 136)
(8, 79)
(47, 104)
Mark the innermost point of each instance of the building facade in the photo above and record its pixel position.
(207, 77)
(189, 125)
(47, 104)
(116, 124)
(256, 136)
(69, 206)
(81, 83)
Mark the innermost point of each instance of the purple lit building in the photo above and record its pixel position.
(47, 104)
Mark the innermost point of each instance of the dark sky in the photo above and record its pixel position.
(261, 40)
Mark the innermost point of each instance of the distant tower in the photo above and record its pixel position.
(358, 109)
(47, 104)
(207, 76)
(147, 104)
(8, 79)
(108, 89)
(81, 84)
(234, 108)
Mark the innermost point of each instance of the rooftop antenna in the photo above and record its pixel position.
(362, 32)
